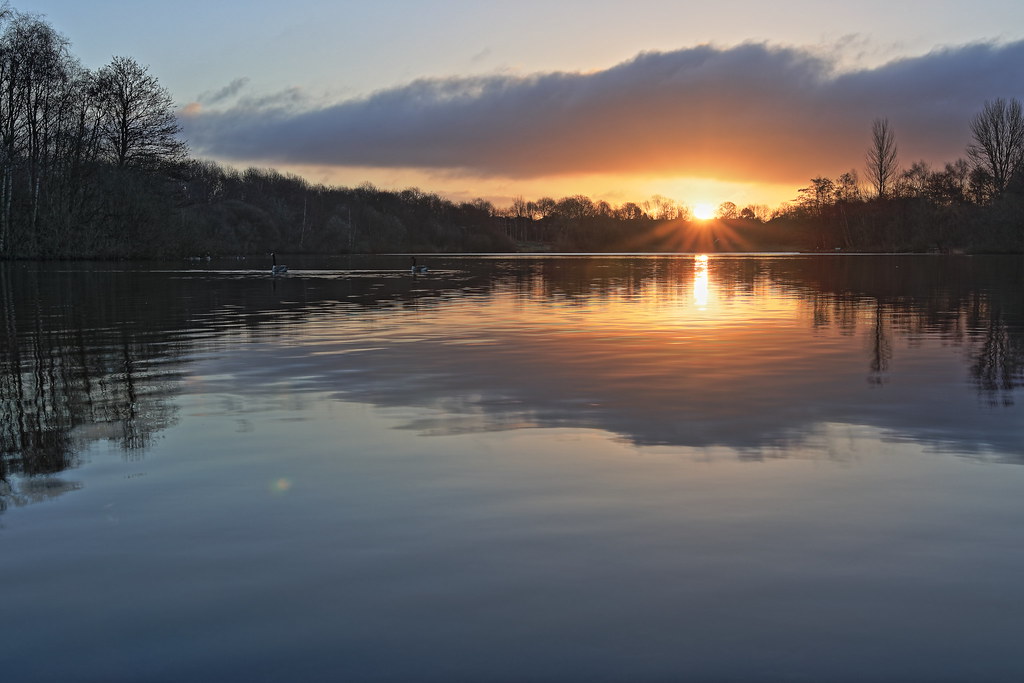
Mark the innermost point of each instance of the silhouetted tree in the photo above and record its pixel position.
(545, 207)
(818, 195)
(761, 213)
(881, 157)
(726, 211)
(949, 186)
(630, 211)
(913, 182)
(40, 112)
(847, 187)
(663, 208)
(998, 147)
(138, 123)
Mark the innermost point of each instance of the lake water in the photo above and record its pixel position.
(604, 468)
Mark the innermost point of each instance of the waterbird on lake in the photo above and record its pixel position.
(416, 269)
(276, 269)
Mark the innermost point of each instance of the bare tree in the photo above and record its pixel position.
(139, 127)
(848, 187)
(998, 147)
(726, 211)
(761, 213)
(882, 167)
(630, 211)
(913, 182)
(38, 76)
(663, 208)
(949, 186)
(819, 194)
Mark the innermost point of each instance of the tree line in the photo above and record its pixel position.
(80, 151)
(969, 204)
(92, 166)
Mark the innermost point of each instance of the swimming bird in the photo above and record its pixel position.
(276, 269)
(417, 269)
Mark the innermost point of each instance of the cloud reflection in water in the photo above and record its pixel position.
(692, 356)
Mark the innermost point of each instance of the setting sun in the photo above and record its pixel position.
(703, 211)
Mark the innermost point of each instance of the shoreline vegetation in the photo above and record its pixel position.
(92, 167)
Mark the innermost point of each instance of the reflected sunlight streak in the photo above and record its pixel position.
(700, 281)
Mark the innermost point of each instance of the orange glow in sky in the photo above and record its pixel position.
(695, 102)
(614, 188)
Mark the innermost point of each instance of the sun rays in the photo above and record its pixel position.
(696, 237)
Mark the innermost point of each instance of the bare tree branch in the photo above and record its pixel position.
(998, 147)
(882, 167)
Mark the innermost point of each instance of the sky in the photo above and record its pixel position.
(698, 102)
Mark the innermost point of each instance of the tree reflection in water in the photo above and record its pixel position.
(74, 371)
(98, 353)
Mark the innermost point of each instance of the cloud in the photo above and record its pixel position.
(752, 112)
(225, 93)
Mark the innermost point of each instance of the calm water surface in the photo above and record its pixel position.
(607, 468)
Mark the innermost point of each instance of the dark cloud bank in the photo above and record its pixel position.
(752, 112)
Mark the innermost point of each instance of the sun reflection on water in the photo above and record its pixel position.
(700, 281)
